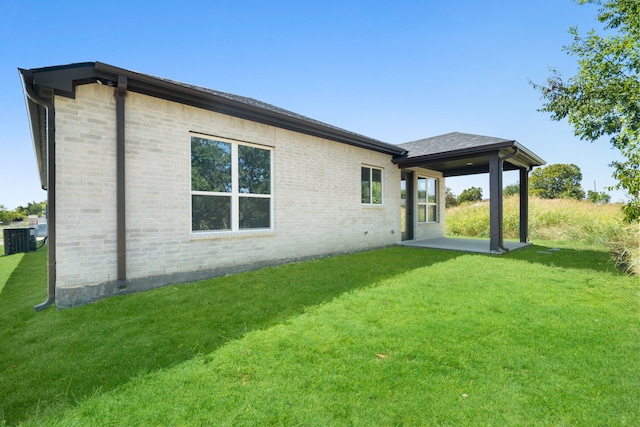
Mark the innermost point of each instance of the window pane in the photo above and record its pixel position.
(210, 165)
(210, 213)
(432, 191)
(433, 213)
(366, 185)
(422, 190)
(254, 170)
(255, 212)
(376, 186)
(422, 213)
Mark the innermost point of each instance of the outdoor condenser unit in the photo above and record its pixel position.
(18, 240)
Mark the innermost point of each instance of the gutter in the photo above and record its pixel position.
(51, 189)
(121, 93)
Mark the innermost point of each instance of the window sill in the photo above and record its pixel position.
(213, 235)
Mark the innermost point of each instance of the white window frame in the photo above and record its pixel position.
(371, 169)
(427, 204)
(235, 194)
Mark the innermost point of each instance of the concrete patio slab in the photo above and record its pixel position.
(462, 244)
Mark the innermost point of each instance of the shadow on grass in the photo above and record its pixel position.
(53, 359)
(559, 256)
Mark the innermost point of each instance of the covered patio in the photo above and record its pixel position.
(481, 246)
(458, 154)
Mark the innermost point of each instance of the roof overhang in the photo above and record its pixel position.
(62, 80)
(460, 154)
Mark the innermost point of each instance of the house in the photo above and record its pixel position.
(152, 181)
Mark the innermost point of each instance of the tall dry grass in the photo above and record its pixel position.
(556, 219)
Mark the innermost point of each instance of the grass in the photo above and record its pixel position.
(7, 265)
(57, 358)
(399, 336)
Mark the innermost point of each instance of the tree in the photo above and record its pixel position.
(600, 198)
(559, 181)
(450, 199)
(603, 98)
(5, 214)
(36, 208)
(511, 190)
(471, 194)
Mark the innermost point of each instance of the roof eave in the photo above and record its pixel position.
(63, 80)
(524, 157)
(37, 125)
(473, 151)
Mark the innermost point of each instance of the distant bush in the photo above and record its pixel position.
(450, 199)
(600, 198)
(471, 194)
(511, 190)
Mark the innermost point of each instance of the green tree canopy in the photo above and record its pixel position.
(471, 194)
(603, 98)
(559, 181)
(599, 198)
(5, 214)
(450, 199)
(511, 190)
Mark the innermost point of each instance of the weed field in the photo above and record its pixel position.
(556, 219)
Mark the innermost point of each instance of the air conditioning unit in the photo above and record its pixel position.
(18, 240)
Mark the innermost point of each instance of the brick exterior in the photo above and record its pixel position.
(316, 196)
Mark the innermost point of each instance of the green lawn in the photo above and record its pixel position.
(399, 336)
(7, 265)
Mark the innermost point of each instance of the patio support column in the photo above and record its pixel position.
(524, 205)
(495, 200)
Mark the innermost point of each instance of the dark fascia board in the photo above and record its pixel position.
(453, 154)
(528, 158)
(64, 79)
(37, 116)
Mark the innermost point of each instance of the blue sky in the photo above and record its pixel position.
(393, 70)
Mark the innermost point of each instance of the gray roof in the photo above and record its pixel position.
(451, 142)
(459, 153)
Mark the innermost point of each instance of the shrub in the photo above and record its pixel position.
(625, 248)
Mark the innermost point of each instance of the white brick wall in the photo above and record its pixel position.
(316, 193)
(86, 186)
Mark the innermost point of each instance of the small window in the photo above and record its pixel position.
(371, 186)
(230, 186)
(427, 199)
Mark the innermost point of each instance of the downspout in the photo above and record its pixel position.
(51, 192)
(516, 150)
(121, 93)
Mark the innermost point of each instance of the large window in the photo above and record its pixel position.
(427, 199)
(230, 185)
(371, 185)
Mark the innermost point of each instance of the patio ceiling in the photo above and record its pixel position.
(457, 154)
